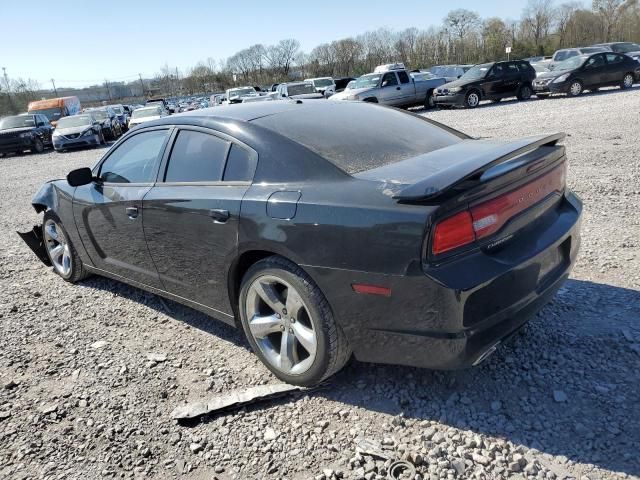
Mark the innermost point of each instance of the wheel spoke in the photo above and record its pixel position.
(269, 295)
(287, 346)
(57, 251)
(294, 303)
(305, 336)
(261, 326)
(52, 232)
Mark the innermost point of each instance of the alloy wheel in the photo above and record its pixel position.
(473, 100)
(627, 81)
(57, 247)
(576, 88)
(281, 325)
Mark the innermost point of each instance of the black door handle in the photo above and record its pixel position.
(219, 215)
(132, 212)
(397, 88)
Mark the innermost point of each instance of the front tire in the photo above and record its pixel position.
(289, 324)
(525, 93)
(38, 146)
(575, 89)
(430, 100)
(472, 100)
(61, 252)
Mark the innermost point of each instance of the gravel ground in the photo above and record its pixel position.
(90, 373)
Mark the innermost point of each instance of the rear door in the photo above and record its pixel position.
(191, 215)
(615, 68)
(108, 212)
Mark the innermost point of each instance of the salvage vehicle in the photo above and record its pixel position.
(55, 108)
(235, 95)
(567, 53)
(108, 119)
(450, 72)
(82, 130)
(146, 114)
(391, 85)
(341, 83)
(24, 132)
(298, 91)
(324, 85)
(406, 242)
(123, 115)
(588, 72)
(488, 81)
(628, 48)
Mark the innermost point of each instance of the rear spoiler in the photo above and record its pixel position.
(474, 167)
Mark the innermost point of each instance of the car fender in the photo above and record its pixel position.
(45, 198)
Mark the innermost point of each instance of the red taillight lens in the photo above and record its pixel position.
(453, 232)
(487, 218)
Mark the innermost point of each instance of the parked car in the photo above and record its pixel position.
(55, 108)
(341, 83)
(298, 91)
(391, 85)
(488, 81)
(123, 116)
(235, 95)
(463, 244)
(324, 85)
(24, 132)
(80, 130)
(588, 72)
(566, 53)
(109, 122)
(627, 48)
(146, 114)
(450, 72)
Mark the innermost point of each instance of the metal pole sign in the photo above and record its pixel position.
(508, 50)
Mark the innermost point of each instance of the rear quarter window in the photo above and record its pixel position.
(357, 137)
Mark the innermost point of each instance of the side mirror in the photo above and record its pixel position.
(80, 176)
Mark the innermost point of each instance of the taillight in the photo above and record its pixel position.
(487, 218)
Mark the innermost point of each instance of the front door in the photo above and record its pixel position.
(108, 212)
(390, 90)
(493, 85)
(191, 216)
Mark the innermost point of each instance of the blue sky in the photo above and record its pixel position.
(80, 43)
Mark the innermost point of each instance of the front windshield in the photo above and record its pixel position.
(477, 71)
(75, 121)
(100, 114)
(50, 113)
(323, 82)
(239, 92)
(19, 121)
(118, 110)
(540, 67)
(146, 112)
(367, 81)
(437, 70)
(570, 64)
(300, 89)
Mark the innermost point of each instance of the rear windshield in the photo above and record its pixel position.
(357, 137)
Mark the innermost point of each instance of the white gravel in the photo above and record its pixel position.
(89, 374)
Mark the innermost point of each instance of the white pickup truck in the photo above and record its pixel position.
(393, 85)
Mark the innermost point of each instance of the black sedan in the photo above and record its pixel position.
(588, 72)
(324, 230)
(24, 132)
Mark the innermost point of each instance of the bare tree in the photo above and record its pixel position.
(537, 21)
(610, 13)
(462, 23)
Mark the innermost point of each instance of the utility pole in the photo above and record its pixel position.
(55, 90)
(141, 83)
(106, 83)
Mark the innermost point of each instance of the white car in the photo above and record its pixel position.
(146, 114)
(323, 85)
(236, 95)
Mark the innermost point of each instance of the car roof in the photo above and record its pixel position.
(244, 112)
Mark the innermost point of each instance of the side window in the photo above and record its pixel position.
(613, 58)
(404, 78)
(241, 165)
(512, 69)
(595, 61)
(498, 70)
(136, 159)
(389, 79)
(571, 53)
(196, 157)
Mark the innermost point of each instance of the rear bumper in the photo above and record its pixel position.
(455, 315)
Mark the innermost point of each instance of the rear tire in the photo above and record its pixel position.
(525, 93)
(61, 252)
(295, 317)
(472, 99)
(429, 101)
(627, 81)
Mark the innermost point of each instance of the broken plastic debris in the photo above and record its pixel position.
(372, 448)
(233, 398)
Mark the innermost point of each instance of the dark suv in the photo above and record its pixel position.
(24, 132)
(488, 81)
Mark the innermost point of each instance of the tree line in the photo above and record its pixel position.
(463, 37)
